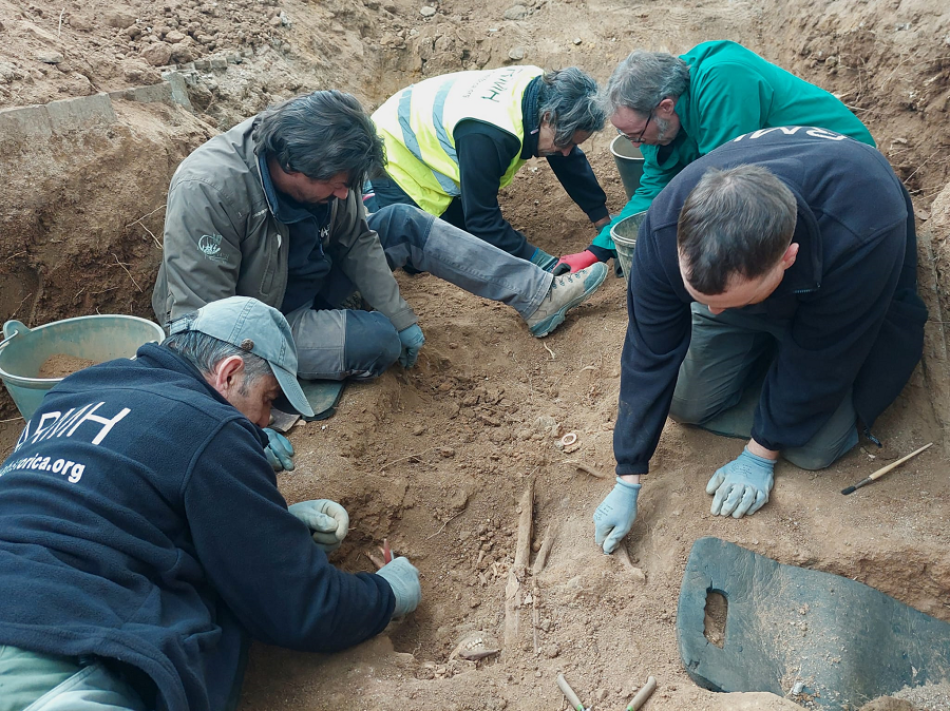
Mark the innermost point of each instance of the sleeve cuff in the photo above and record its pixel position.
(635, 468)
(766, 442)
(602, 253)
(599, 213)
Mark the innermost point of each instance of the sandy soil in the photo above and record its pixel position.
(437, 459)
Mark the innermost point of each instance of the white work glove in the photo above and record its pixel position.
(328, 521)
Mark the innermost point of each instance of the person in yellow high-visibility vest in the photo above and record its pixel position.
(453, 141)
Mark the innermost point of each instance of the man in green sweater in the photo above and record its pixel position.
(676, 109)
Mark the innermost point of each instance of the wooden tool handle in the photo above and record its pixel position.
(884, 470)
(642, 695)
(569, 693)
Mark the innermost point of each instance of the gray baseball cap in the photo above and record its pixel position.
(257, 328)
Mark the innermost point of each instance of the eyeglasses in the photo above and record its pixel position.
(639, 138)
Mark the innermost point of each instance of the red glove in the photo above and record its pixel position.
(575, 262)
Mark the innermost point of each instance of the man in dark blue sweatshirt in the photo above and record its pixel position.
(143, 538)
(773, 296)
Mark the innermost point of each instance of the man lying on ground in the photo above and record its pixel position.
(143, 540)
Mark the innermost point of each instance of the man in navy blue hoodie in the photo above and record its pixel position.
(773, 296)
(143, 537)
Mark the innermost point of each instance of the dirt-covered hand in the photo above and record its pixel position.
(403, 578)
(279, 451)
(742, 486)
(412, 340)
(615, 515)
(327, 520)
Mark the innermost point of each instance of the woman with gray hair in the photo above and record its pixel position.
(452, 142)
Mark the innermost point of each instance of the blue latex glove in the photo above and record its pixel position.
(615, 515)
(279, 451)
(403, 578)
(412, 340)
(327, 520)
(543, 259)
(742, 486)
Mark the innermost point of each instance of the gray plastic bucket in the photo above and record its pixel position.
(624, 235)
(97, 338)
(629, 162)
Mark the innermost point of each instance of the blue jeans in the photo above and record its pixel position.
(721, 378)
(384, 192)
(334, 343)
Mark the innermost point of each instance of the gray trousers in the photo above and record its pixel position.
(721, 379)
(335, 343)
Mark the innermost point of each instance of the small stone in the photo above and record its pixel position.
(516, 12)
(219, 64)
(81, 24)
(577, 40)
(418, 430)
(158, 54)
(638, 575)
(427, 11)
(117, 16)
(48, 57)
(285, 19)
(447, 452)
(9, 72)
(184, 51)
(174, 37)
(516, 53)
(138, 72)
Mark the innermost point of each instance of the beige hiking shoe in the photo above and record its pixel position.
(567, 291)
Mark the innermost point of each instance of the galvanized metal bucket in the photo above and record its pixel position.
(23, 351)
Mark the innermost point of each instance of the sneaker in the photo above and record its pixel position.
(567, 291)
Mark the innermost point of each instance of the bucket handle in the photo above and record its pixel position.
(12, 329)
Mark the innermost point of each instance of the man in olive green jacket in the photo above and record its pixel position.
(676, 109)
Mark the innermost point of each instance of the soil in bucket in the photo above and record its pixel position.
(59, 365)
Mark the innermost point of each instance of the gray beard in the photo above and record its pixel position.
(664, 128)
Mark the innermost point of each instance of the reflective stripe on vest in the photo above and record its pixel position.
(418, 123)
